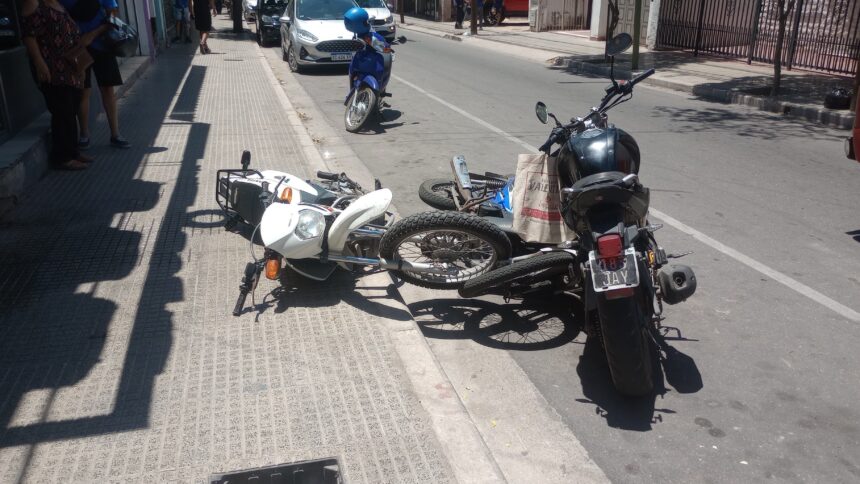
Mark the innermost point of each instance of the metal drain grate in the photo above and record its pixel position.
(322, 471)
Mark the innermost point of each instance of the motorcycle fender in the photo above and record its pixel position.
(277, 230)
(370, 81)
(358, 213)
(293, 182)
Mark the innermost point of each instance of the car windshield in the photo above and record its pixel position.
(323, 9)
(273, 5)
(372, 4)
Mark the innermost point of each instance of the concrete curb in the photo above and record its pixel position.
(436, 33)
(29, 150)
(465, 450)
(828, 117)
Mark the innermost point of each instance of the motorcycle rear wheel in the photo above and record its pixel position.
(436, 193)
(361, 104)
(624, 330)
(464, 244)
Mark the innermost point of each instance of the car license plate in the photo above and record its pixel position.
(341, 56)
(614, 272)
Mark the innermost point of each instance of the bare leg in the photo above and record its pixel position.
(109, 103)
(84, 114)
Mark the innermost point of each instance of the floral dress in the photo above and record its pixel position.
(56, 33)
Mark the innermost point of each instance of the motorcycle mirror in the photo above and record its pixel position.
(401, 39)
(618, 44)
(540, 110)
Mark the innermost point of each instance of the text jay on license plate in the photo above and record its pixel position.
(614, 272)
(341, 56)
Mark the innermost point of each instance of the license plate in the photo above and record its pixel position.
(614, 272)
(341, 56)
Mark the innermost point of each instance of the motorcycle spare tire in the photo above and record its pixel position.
(536, 269)
(624, 328)
(429, 223)
(355, 125)
(436, 193)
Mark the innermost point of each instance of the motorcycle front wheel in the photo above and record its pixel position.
(359, 108)
(462, 245)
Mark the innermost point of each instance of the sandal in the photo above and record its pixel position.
(208, 50)
(202, 49)
(73, 165)
(85, 158)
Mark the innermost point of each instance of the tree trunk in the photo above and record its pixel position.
(783, 13)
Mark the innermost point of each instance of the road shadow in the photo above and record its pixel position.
(672, 370)
(531, 325)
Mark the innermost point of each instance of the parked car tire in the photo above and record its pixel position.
(292, 60)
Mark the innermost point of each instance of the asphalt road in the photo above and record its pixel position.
(762, 384)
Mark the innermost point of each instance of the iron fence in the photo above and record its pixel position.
(820, 34)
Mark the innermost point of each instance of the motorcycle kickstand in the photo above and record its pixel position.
(248, 284)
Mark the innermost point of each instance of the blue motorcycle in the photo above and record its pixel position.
(369, 73)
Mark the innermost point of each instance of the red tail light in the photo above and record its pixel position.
(609, 245)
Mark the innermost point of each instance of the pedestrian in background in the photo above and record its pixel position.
(58, 58)
(460, 6)
(203, 11)
(91, 15)
(183, 21)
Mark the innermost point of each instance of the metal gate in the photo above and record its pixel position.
(563, 15)
(820, 34)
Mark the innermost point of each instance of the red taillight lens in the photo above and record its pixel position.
(609, 245)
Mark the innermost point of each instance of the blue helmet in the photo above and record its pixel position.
(357, 21)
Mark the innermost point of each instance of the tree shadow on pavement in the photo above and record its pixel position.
(531, 325)
(743, 122)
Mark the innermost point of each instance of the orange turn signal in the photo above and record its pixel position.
(273, 268)
(286, 195)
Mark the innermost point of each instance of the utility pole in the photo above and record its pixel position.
(473, 25)
(637, 28)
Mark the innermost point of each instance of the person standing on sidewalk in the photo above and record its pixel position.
(50, 34)
(183, 21)
(459, 6)
(90, 15)
(202, 11)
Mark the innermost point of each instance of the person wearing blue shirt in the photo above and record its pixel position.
(183, 20)
(89, 15)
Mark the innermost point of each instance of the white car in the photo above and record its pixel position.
(383, 19)
(313, 33)
(249, 10)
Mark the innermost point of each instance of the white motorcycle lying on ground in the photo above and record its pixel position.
(313, 228)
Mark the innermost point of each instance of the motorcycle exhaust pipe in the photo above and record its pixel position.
(398, 265)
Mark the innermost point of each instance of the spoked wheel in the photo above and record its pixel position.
(436, 192)
(461, 246)
(361, 105)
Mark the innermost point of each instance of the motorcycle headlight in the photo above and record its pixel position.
(311, 224)
(305, 35)
(267, 19)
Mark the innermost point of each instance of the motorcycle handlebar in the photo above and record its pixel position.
(324, 175)
(641, 77)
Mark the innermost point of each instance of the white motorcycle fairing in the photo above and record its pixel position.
(273, 179)
(278, 226)
(358, 213)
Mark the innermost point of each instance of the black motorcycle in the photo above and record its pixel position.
(615, 265)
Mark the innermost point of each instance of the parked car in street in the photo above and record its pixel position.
(313, 33)
(383, 19)
(852, 144)
(269, 20)
(249, 10)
